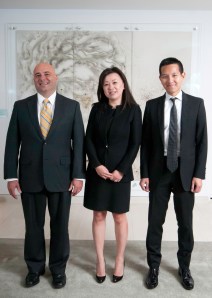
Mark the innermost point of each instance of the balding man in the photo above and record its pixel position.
(45, 162)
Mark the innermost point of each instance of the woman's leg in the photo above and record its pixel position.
(98, 227)
(121, 231)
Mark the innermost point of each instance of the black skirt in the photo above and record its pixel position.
(106, 195)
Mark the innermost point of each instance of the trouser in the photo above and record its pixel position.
(34, 207)
(158, 204)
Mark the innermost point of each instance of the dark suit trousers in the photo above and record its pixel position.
(34, 207)
(158, 204)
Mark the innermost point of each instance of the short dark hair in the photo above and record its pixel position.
(127, 97)
(171, 60)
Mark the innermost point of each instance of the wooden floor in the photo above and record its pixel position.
(12, 221)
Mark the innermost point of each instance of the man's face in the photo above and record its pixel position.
(172, 79)
(45, 79)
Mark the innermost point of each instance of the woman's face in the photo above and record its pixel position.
(113, 87)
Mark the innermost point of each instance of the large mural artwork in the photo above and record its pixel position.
(80, 56)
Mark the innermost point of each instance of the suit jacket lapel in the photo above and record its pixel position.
(161, 103)
(33, 111)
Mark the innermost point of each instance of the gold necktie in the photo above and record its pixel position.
(45, 118)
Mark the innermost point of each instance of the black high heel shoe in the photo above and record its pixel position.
(118, 278)
(100, 279)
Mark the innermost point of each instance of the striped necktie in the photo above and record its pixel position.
(45, 118)
(172, 158)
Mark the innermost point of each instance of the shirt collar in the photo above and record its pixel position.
(178, 96)
(51, 98)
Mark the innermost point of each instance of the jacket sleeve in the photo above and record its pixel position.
(90, 146)
(78, 136)
(201, 143)
(145, 143)
(12, 147)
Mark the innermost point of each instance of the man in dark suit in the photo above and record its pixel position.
(45, 164)
(164, 170)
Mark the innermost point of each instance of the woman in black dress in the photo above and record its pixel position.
(113, 138)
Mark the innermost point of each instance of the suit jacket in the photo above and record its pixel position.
(53, 162)
(193, 140)
(113, 145)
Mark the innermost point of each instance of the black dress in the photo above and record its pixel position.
(112, 139)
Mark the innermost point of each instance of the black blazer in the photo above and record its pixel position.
(53, 162)
(117, 147)
(193, 140)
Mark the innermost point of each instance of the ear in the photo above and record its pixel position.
(183, 74)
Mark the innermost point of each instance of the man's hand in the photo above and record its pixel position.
(13, 187)
(75, 186)
(144, 184)
(196, 185)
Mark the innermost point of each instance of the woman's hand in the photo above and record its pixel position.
(116, 176)
(103, 172)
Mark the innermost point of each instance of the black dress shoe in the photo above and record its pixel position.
(100, 279)
(152, 278)
(58, 280)
(33, 278)
(186, 278)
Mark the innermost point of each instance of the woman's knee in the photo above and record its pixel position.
(99, 216)
(119, 218)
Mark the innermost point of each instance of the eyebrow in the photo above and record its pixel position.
(166, 74)
(112, 81)
(38, 73)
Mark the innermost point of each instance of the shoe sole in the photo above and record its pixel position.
(58, 287)
(29, 286)
(151, 287)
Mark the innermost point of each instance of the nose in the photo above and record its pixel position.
(110, 86)
(42, 77)
(170, 78)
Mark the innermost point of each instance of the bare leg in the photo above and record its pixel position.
(121, 231)
(99, 224)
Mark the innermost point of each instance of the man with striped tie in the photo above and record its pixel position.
(45, 162)
(173, 160)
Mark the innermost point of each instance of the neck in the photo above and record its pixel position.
(115, 103)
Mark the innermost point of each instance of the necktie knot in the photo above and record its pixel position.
(45, 101)
(173, 99)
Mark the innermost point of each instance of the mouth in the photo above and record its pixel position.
(44, 84)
